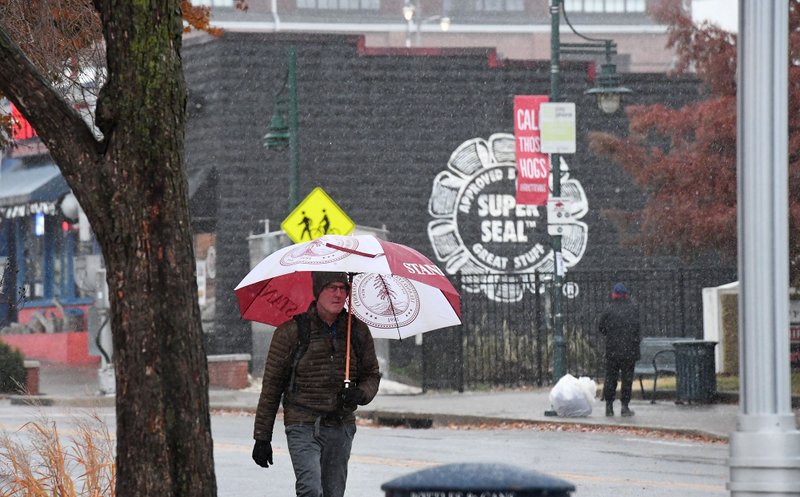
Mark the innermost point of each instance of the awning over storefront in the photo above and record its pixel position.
(29, 191)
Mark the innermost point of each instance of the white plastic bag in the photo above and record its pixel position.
(573, 397)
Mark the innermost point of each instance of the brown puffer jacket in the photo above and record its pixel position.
(320, 373)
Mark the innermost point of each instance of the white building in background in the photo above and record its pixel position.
(517, 29)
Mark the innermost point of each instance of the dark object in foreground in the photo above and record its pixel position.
(478, 479)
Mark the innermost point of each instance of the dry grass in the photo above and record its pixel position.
(37, 464)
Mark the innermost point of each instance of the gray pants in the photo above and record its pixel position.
(319, 456)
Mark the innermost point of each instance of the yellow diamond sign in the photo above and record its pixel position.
(317, 215)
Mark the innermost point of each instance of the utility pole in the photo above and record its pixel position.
(765, 448)
(280, 135)
(559, 342)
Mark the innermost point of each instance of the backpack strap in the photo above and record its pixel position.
(303, 339)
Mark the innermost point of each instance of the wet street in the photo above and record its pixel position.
(598, 463)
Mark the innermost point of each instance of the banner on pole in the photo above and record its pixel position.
(533, 166)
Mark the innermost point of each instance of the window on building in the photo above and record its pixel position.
(339, 4)
(499, 5)
(610, 6)
(615, 5)
(213, 3)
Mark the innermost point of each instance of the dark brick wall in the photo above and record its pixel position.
(375, 129)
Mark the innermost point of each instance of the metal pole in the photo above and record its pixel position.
(559, 344)
(293, 138)
(765, 449)
(418, 18)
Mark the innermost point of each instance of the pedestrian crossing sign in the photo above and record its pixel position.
(315, 216)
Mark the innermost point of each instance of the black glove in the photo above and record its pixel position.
(262, 453)
(351, 397)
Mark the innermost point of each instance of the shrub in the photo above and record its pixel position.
(12, 369)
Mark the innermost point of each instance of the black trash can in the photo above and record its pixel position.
(695, 378)
(477, 479)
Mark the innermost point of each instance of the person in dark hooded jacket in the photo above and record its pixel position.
(318, 411)
(619, 324)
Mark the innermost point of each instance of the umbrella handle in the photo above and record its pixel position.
(349, 325)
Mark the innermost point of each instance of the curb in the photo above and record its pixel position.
(51, 400)
(103, 401)
(425, 421)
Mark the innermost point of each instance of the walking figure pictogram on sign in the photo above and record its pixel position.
(306, 222)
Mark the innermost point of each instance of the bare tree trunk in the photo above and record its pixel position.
(132, 185)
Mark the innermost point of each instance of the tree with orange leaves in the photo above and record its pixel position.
(685, 158)
(124, 163)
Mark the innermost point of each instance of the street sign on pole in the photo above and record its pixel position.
(315, 216)
(557, 127)
(559, 214)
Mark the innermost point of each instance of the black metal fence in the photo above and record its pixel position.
(509, 343)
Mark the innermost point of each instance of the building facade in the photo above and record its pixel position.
(38, 241)
(417, 141)
(516, 29)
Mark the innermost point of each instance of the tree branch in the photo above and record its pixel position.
(64, 133)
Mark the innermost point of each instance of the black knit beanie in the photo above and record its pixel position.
(321, 279)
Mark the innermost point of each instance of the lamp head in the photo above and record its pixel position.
(408, 10)
(278, 136)
(608, 90)
(70, 207)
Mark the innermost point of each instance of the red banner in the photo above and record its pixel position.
(20, 130)
(533, 167)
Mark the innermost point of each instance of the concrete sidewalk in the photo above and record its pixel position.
(400, 404)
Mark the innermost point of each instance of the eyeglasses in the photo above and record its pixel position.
(336, 288)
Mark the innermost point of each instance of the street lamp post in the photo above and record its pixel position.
(608, 94)
(413, 16)
(280, 134)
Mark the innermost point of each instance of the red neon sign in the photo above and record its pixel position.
(21, 129)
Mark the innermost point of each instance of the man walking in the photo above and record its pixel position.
(306, 368)
(619, 324)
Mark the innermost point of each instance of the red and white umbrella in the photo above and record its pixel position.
(396, 291)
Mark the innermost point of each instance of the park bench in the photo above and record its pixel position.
(657, 358)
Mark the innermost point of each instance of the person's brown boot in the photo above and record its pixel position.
(626, 411)
(609, 408)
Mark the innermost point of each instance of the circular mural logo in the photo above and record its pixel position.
(318, 252)
(478, 228)
(384, 301)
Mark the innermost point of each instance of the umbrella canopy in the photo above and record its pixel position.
(396, 291)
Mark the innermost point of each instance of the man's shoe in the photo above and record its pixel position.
(626, 412)
(610, 408)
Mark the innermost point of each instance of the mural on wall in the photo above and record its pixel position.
(478, 228)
